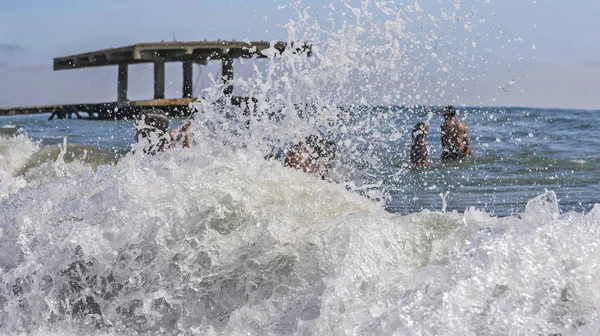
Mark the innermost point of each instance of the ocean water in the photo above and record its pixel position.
(519, 154)
(217, 240)
(97, 238)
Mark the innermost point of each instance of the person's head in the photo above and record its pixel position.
(449, 112)
(153, 127)
(420, 131)
(320, 148)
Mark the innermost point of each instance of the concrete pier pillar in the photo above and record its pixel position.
(188, 81)
(227, 74)
(122, 83)
(159, 80)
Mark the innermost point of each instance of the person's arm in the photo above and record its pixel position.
(186, 127)
(177, 135)
(174, 136)
(188, 141)
(465, 146)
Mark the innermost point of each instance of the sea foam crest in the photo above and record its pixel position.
(231, 243)
(15, 150)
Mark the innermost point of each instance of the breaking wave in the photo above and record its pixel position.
(231, 243)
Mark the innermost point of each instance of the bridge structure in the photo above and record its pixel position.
(159, 53)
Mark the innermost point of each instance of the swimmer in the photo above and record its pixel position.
(455, 137)
(418, 150)
(314, 155)
(152, 130)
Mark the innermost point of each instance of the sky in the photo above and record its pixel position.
(547, 50)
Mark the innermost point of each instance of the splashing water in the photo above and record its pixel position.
(219, 240)
(233, 244)
(444, 204)
(14, 152)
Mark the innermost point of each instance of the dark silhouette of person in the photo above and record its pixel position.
(314, 155)
(418, 150)
(455, 137)
(152, 131)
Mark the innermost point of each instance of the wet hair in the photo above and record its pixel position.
(419, 131)
(321, 148)
(152, 122)
(449, 112)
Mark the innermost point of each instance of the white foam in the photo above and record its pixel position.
(232, 243)
(14, 152)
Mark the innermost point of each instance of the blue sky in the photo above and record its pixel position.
(562, 70)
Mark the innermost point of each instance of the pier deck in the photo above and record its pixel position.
(158, 53)
(103, 111)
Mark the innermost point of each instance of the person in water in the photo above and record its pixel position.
(418, 150)
(455, 137)
(152, 131)
(314, 155)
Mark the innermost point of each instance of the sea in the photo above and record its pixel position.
(519, 153)
(223, 239)
(98, 238)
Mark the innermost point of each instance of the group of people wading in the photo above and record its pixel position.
(314, 155)
(455, 140)
(153, 133)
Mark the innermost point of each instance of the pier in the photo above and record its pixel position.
(188, 53)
